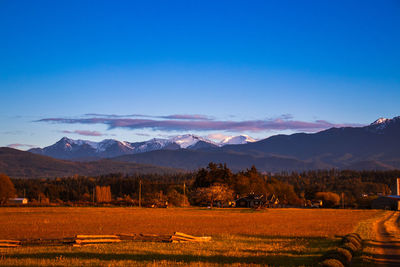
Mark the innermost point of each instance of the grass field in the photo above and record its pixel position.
(276, 237)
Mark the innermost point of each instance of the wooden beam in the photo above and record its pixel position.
(96, 236)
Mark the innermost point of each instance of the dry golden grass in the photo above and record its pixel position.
(66, 222)
(224, 250)
(274, 237)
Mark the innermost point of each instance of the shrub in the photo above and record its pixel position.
(331, 263)
(329, 199)
(176, 199)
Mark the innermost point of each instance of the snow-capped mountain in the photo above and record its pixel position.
(194, 142)
(380, 121)
(151, 145)
(383, 124)
(67, 148)
(237, 140)
(187, 140)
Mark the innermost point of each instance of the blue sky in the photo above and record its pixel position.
(163, 68)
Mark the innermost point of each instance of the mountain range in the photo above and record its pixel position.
(81, 150)
(372, 147)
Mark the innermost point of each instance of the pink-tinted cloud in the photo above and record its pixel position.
(187, 117)
(280, 124)
(17, 145)
(167, 117)
(83, 132)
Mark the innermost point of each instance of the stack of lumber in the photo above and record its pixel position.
(146, 237)
(176, 237)
(81, 240)
(9, 243)
(47, 242)
(181, 237)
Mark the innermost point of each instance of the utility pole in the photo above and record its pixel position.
(342, 200)
(140, 193)
(184, 194)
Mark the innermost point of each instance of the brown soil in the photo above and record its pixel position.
(387, 244)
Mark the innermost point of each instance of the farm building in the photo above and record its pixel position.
(249, 201)
(390, 202)
(18, 200)
(385, 203)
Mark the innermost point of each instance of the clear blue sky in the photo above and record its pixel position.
(231, 67)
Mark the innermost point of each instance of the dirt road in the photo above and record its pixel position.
(387, 243)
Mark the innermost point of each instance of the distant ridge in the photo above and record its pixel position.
(22, 164)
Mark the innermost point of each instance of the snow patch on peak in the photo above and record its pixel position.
(237, 140)
(186, 140)
(380, 121)
(382, 124)
(103, 145)
(127, 144)
(85, 142)
(160, 141)
(98, 146)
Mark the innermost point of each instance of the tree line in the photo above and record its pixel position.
(215, 183)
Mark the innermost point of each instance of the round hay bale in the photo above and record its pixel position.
(340, 254)
(350, 247)
(331, 263)
(353, 240)
(356, 235)
(346, 255)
